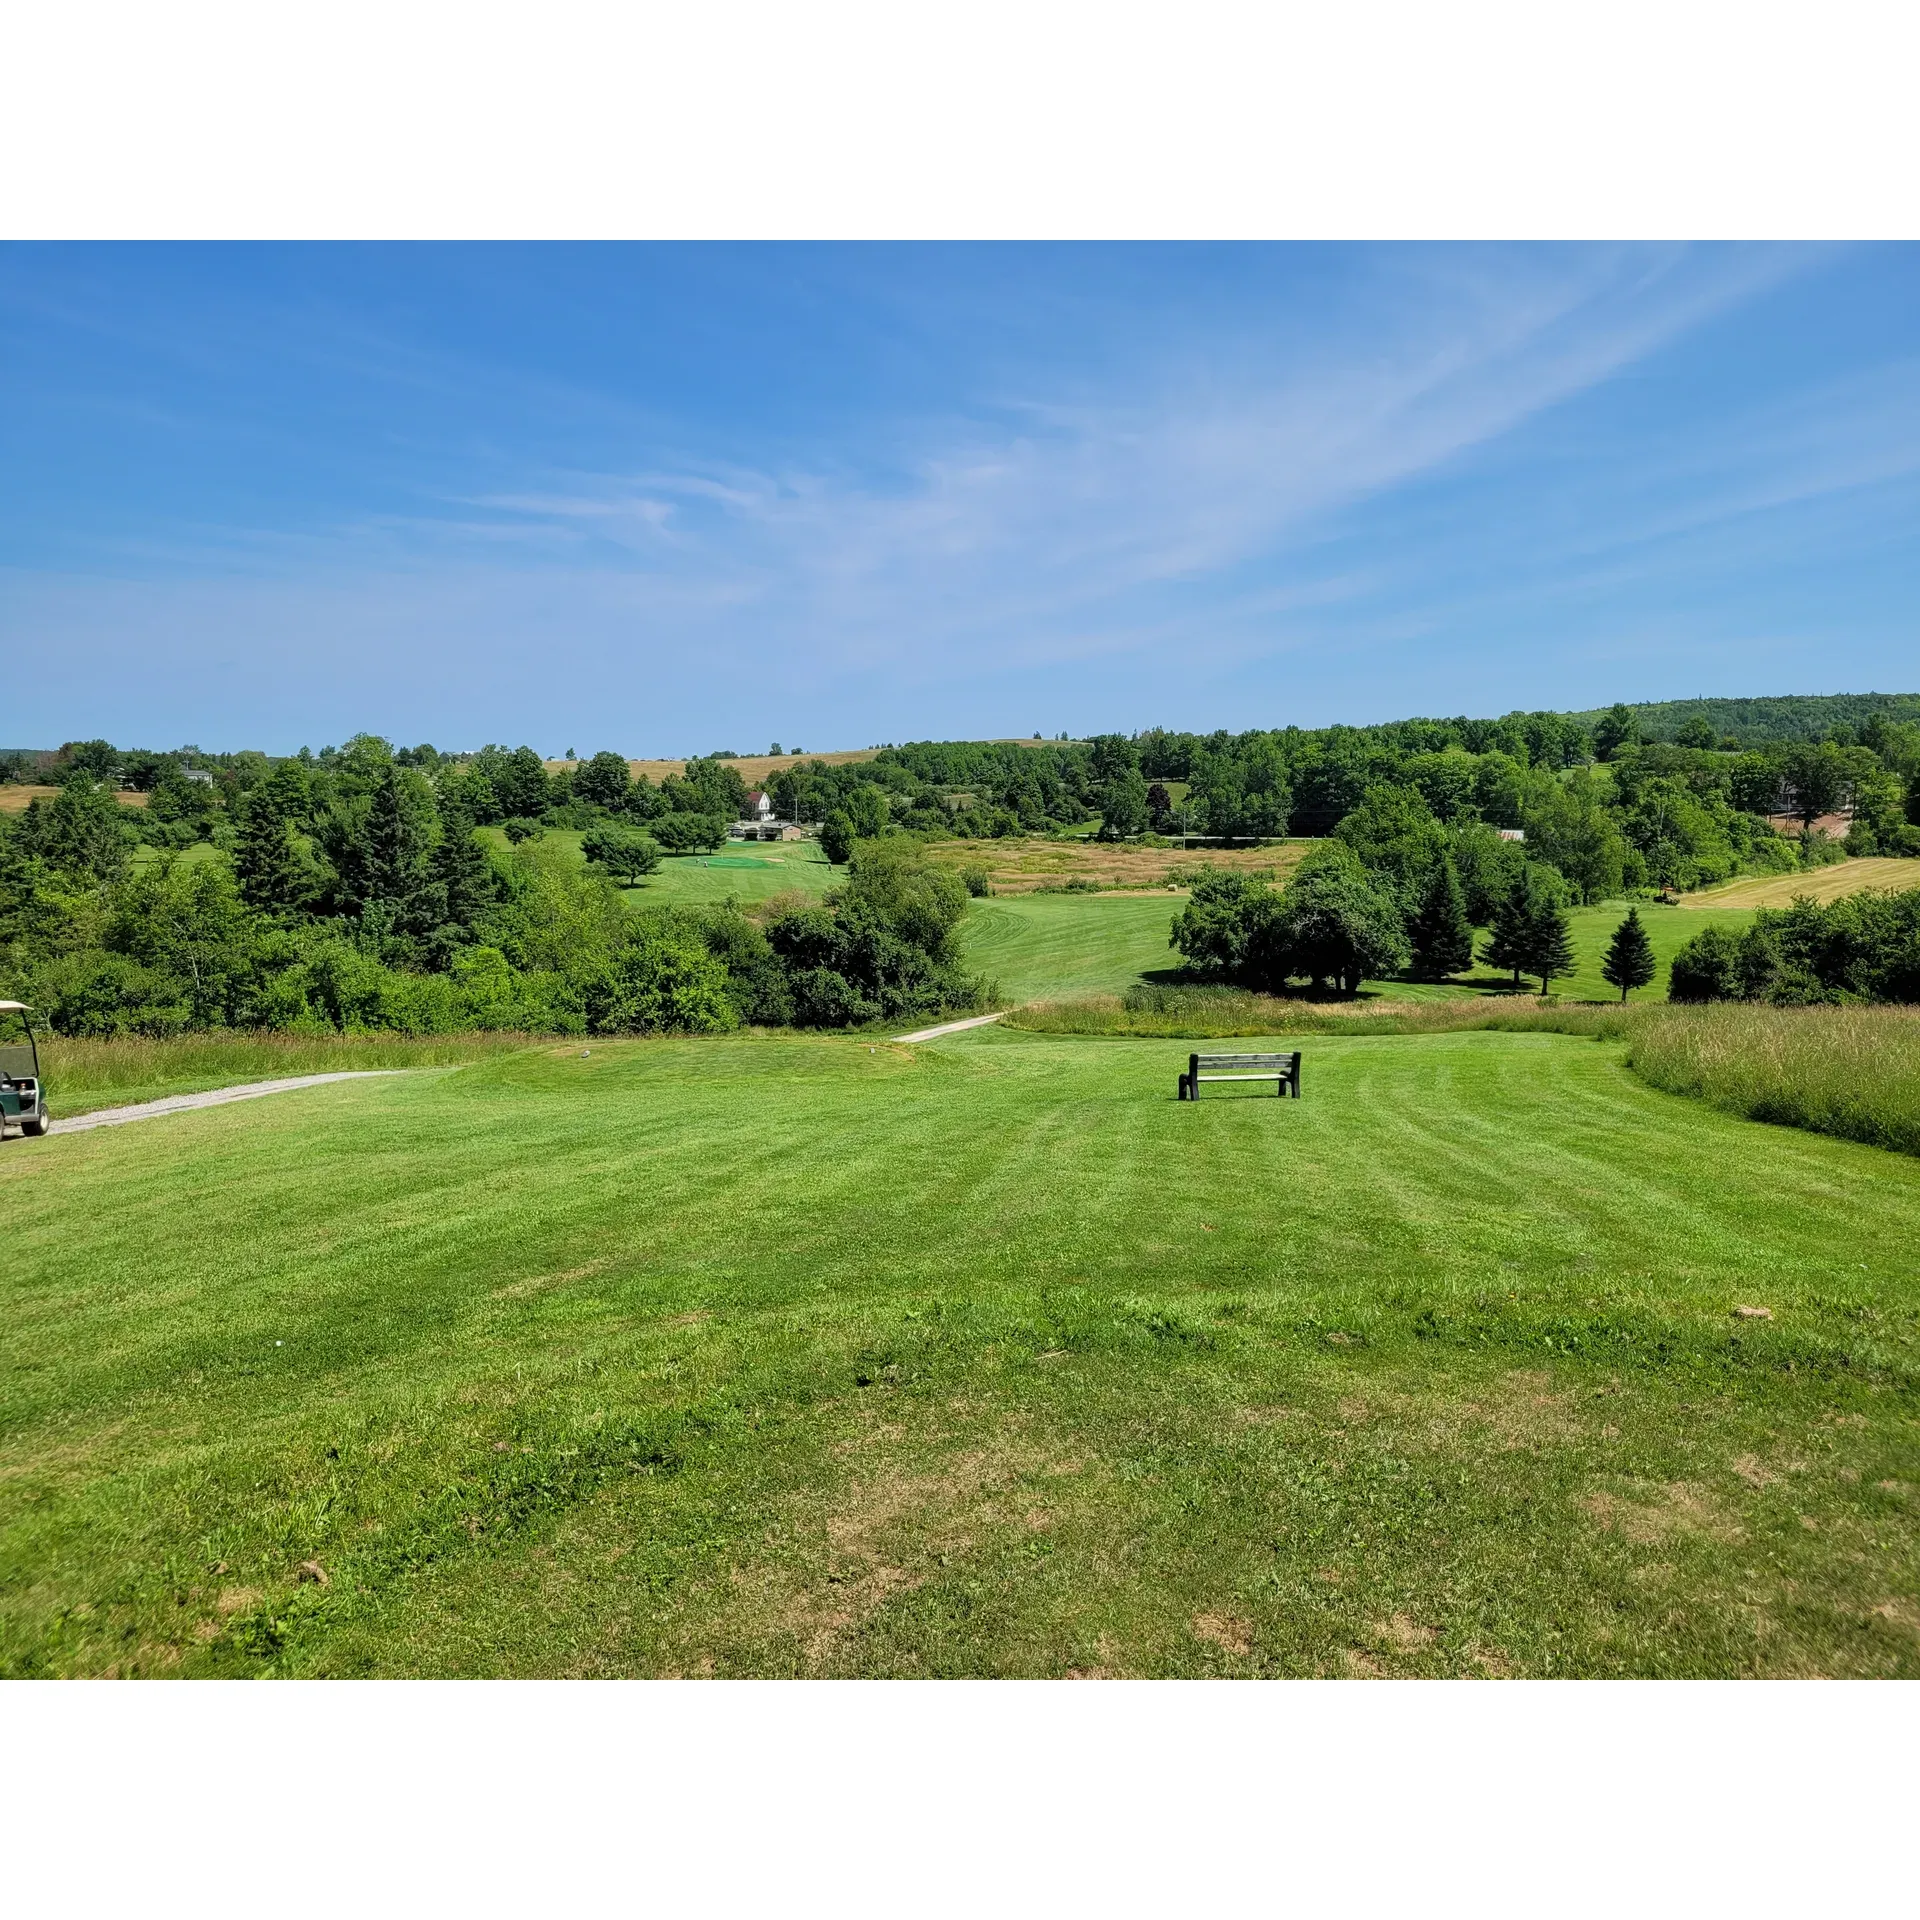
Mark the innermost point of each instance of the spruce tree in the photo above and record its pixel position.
(1629, 962)
(460, 863)
(1507, 941)
(396, 853)
(1441, 938)
(270, 871)
(1549, 938)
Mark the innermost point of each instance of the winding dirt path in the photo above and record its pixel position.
(215, 1097)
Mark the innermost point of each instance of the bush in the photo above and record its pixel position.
(1865, 947)
(104, 995)
(1707, 967)
(520, 828)
(664, 980)
(979, 886)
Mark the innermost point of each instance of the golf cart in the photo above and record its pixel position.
(23, 1101)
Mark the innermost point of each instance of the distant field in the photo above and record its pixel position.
(743, 871)
(1024, 866)
(780, 1356)
(754, 768)
(1817, 883)
(16, 799)
(757, 768)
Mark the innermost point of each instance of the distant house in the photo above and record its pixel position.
(1512, 833)
(200, 776)
(759, 807)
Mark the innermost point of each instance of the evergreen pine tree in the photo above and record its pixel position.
(396, 853)
(460, 864)
(1441, 938)
(1507, 941)
(1629, 962)
(269, 868)
(1549, 938)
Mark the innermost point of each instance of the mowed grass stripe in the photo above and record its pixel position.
(780, 1355)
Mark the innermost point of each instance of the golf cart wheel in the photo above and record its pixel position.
(38, 1127)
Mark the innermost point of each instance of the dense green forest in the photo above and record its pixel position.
(1777, 719)
(351, 889)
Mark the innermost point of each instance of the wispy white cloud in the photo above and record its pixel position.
(1040, 536)
(1193, 501)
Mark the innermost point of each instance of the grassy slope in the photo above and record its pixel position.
(1668, 928)
(1049, 946)
(777, 1355)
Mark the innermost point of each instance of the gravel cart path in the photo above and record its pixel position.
(952, 1026)
(217, 1097)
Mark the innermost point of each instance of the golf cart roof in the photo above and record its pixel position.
(13, 1006)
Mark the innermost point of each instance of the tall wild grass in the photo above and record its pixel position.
(1853, 1071)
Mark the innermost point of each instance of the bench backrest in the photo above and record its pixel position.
(1252, 1062)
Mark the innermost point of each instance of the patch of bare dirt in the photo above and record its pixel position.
(1657, 1514)
(1225, 1631)
(1748, 1467)
(1403, 1633)
(883, 1535)
(1361, 1665)
(1903, 1614)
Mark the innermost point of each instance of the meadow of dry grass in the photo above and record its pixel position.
(15, 798)
(1208, 1013)
(1817, 883)
(1028, 866)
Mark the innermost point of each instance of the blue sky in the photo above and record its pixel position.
(670, 499)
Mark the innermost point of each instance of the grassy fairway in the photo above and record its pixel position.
(739, 871)
(1055, 946)
(780, 1355)
(1051, 946)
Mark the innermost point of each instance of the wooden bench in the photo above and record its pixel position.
(1281, 1068)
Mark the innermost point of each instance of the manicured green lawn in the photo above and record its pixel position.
(1054, 946)
(805, 1355)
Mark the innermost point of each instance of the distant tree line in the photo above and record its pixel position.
(351, 890)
